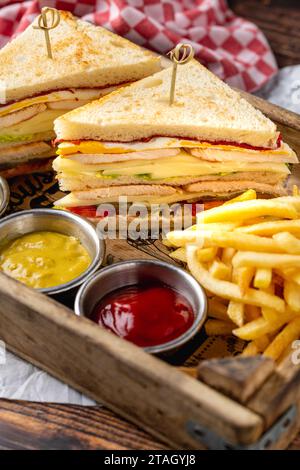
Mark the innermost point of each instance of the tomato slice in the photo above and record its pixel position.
(207, 205)
(91, 211)
(84, 211)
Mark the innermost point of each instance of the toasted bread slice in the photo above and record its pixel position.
(205, 108)
(84, 55)
(158, 194)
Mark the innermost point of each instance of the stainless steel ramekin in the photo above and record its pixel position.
(4, 195)
(139, 272)
(16, 225)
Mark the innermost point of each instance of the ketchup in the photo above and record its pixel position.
(146, 315)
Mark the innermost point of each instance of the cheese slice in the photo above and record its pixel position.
(179, 165)
(60, 95)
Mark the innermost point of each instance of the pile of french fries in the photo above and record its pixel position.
(246, 255)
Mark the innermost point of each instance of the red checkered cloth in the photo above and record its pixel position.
(231, 47)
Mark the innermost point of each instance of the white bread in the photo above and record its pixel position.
(84, 55)
(150, 193)
(205, 108)
(226, 188)
(83, 182)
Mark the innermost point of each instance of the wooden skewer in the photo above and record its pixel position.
(43, 25)
(182, 54)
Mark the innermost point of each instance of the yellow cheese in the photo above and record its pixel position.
(179, 165)
(22, 104)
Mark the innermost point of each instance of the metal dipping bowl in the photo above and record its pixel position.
(35, 220)
(134, 272)
(4, 195)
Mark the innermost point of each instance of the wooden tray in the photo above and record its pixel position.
(238, 403)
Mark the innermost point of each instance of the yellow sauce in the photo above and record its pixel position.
(44, 259)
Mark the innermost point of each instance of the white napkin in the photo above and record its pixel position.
(20, 380)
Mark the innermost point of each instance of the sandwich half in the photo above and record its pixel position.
(211, 143)
(88, 62)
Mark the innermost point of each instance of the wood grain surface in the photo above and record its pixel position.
(27, 425)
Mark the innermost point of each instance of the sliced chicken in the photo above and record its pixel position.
(72, 104)
(22, 115)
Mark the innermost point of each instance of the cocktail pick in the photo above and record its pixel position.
(181, 54)
(46, 27)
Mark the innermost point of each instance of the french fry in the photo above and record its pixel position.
(269, 314)
(261, 326)
(243, 277)
(288, 242)
(252, 313)
(296, 278)
(227, 255)
(220, 270)
(236, 312)
(217, 309)
(255, 329)
(250, 350)
(229, 290)
(196, 234)
(207, 254)
(218, 327)
(240, 211)
(262, 343)
(291, 200)
(179, 254)
(242, 242)
(266, 260)
(291, 293)
(256, 346)
(289, 334)
(255, 220)
(246, 196)
(290, 274)
(179, 238)
(262, 278)
(215, 227)
(267, 229)
(166, 243)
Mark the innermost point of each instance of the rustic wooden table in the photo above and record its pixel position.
(25, 425)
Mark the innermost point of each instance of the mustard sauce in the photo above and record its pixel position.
(44, 259)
